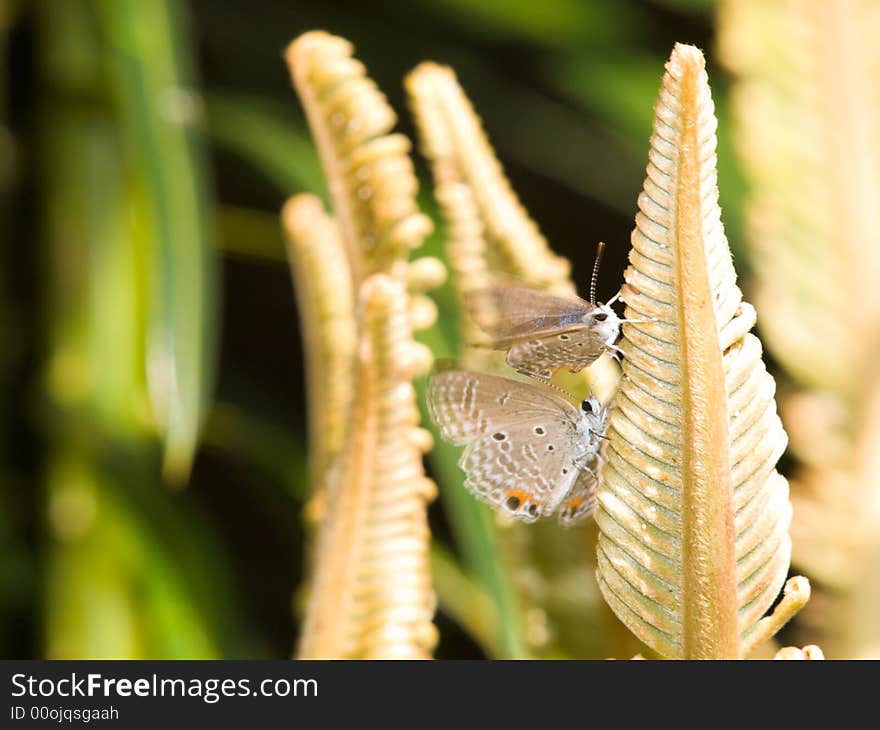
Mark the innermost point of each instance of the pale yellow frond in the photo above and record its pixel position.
(489, 234)
(323, 286)
(807, 107)
(369, 173)
(471, 185)
(809, 652)
(371, 593)
(694, 519)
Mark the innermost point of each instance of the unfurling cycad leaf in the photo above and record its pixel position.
(490, 238)
(371, 594)
(369, 173)
(806, 105)
(471, 186)
(694, 519)
(325, 300)
(807, 110)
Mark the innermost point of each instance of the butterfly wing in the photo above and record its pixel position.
(542, 332)
(508, 313)
(580, 502)
(526, 475)
(466, 405)
(540, 356)
(521, 440)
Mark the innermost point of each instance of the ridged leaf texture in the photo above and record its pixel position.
(807, 109)
(325, 299)
(470, 182)
(371, 592)
(369, 173)
(360, 300)
(693, 546)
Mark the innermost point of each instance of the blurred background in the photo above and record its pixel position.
(153, 420)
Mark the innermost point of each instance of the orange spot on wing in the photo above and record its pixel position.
(523, 498)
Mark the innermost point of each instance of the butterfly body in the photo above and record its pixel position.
(528, 451)
(543, 332)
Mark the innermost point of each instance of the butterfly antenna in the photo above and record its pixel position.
(600, 249)
(552, 386)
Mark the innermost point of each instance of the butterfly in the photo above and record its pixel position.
(543, 332)
(528, 450)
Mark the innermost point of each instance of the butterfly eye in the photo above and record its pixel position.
(600, 317)
(586, 406)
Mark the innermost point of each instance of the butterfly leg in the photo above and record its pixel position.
(581, 502)
(576, 509)
(584, 467)
(616, 352)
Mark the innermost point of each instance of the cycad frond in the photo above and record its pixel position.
(470, 180)
(371, 592)
(807, 105)
(325, 300)
(694, 519)
(369, 173)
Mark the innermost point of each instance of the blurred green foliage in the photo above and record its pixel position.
(147, 147)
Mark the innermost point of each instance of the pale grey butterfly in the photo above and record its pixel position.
(543, 332)
(529, 452)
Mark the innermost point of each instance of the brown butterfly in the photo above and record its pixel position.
(543, 332)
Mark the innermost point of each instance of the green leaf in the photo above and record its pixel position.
(160, 110)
